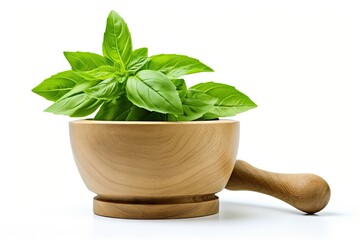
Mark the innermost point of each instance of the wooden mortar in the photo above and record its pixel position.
(156, 170)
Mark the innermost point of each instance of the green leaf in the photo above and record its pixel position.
(139, 53)
(155, 116)
(137, 65)
(121, 109)
(180, 86)
(195, 105)
(153, 91)
(80, 88)
(100, 73)
(79, 105)
(85, 61)
(230, 101)
(128, 85)
(115, 110)
(117, 44)
(76, 103)
(56, 86)
(137, 114)
(107, 89)
(176, 65)
(137, 60)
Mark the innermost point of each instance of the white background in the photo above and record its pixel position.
(298, 60)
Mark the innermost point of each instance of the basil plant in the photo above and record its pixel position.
(125, 84)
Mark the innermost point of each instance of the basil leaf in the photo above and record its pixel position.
(153, 91)
(140, 114)
(195, 105)
(121, 109)
(56, 86)
(85, 61)
(100, 73)
(107, 89)
(115, 110)
(137, 60)
(139, 53)
(230, 101)
(136, 65)
(128, 85)
(117, 44)
(180, 86)
(80, 88)
(76, 103)
(155, 116)
(137, 114)
(176, 65)
(79, 105)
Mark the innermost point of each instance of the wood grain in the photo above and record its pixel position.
(155, 167)
(306, 192)
(159, 209)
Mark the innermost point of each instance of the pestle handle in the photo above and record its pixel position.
(306, 192)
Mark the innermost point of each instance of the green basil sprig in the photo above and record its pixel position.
(128, 85)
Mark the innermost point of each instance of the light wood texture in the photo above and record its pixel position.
(168, 209)
(152, 170)
(155, 169)
(306, 192)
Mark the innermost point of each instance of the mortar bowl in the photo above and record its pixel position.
(150, 170)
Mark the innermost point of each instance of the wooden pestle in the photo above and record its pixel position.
(306, 192)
